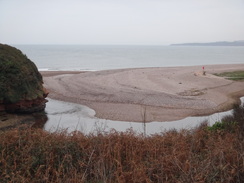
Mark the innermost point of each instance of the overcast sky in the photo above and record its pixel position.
(139, 22)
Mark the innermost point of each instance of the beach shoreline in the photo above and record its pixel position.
(148, 94)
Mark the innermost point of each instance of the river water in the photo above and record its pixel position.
(74, 117)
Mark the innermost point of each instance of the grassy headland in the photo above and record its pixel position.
(205, 154)
(19, 77)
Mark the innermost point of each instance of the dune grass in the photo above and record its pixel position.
(236, 75)
(204, 154)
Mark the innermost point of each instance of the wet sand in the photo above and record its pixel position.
(148, 94)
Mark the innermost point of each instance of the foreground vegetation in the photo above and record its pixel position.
(235, 75)
(205, 154)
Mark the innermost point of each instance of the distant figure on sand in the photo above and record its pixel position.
(203, 71)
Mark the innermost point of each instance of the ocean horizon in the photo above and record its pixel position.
(106, 57)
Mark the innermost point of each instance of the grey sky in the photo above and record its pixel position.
(120, 21)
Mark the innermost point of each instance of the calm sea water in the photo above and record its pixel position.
(91, 57)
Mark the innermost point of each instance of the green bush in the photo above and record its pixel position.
(223, 125)
(231, 122)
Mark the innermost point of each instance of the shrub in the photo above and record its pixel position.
(33, 155)
(223, 125)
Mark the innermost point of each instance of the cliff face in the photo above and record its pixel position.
(21, 85)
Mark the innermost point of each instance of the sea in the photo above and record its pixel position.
(104, 57)
(74, 117)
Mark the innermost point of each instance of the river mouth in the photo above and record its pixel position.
(70, 117)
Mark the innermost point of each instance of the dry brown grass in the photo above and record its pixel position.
(200, 155)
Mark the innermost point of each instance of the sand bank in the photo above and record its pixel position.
(148, 94)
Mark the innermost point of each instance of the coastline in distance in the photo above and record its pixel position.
(220, 43)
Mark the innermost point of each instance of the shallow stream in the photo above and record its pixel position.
(75, 117)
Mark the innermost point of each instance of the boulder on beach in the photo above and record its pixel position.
(21, 85)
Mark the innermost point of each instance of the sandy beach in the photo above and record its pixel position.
(148, 94)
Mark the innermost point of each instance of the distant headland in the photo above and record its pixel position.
(220, 43)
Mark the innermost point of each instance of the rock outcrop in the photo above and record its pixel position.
(21, 85)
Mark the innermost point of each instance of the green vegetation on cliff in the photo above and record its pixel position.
(19, 77)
